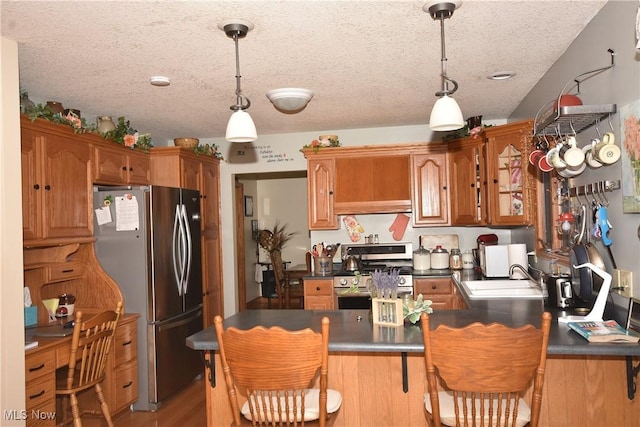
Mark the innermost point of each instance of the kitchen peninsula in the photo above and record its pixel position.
(585, 384)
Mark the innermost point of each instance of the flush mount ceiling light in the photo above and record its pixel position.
(446, 114)
(240, 127)
(501, 75)
(290, 100)
(160, 81)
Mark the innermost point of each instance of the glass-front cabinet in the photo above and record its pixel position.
(510, 185)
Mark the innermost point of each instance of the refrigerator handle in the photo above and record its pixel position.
(177, 269)
(189, 248)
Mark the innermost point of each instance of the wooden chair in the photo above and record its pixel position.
(477, 375)
(90, 347)
(272, 369)
(293, 286)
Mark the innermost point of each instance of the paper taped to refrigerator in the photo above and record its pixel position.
(127, 213)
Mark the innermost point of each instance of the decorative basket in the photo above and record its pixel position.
(186, 142)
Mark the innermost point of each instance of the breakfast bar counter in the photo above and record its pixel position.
(380, 370)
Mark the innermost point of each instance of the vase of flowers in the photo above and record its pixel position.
(273, 242)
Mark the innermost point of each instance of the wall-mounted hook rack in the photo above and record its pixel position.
(593, 188)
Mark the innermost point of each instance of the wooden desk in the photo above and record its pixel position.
(120, 385)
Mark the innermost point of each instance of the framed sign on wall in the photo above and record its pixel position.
(248, 206)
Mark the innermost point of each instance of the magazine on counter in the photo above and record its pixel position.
(606, 331)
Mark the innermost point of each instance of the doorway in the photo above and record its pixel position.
(276, 197)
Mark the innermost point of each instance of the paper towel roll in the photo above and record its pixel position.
(517, 253)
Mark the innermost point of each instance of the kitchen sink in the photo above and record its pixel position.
(502, 289)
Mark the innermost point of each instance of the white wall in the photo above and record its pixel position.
(12, 396)
(614, 27)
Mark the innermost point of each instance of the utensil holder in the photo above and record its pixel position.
(387, 311)
(322, 266)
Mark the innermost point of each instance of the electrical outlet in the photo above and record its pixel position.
(623, 279)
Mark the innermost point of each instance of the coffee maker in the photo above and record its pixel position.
(560, 291)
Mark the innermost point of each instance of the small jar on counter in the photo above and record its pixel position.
(467, 260)
(455, 259)
(439, 258)
(421, 259)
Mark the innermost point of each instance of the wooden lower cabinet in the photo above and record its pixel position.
(441, 291)
(318, 294)
(40, 388)
(585, 391)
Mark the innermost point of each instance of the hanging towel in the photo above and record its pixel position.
(258, 274)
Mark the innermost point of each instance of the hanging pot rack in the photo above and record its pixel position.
(552, 119)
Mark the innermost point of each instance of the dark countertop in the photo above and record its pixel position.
(352, 331)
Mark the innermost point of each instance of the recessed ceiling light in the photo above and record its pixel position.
(160, 81)
(501, 75)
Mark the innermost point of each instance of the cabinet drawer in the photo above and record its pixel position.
(432, 286)
(126, 389)
(318, 288)
(39, 364)
(64, 271)
(42, 416)
(125, 346)
(38, 392)
(318, 303)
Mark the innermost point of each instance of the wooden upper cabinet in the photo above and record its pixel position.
(430, 189)
(468, 182)
(56, 182)
(113, 164)
(372, 184)
(320, 175)
(511, 187)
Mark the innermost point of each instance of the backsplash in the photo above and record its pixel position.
(379, 224)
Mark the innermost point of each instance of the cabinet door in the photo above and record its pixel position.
(210, 194)
(509, 188)
(31, 187)
(190, 173)
(464, 175)
(439, 291)
(109, 165)
(138, 168)
(430, 189)
(372, 184)
(321, 215)
(66, 187)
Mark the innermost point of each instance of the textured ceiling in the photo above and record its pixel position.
(370, 63)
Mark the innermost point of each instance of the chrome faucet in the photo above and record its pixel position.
(523, 270)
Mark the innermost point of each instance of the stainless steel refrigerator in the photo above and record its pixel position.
(148, 241)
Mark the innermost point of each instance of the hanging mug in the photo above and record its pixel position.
(105, 124)
(571, 154)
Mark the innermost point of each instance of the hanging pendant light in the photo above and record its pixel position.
(446, 114)
(240, 127)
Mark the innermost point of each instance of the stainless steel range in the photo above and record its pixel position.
(352, 287)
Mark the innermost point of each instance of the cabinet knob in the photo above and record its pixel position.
(130, 169)
(124, 168)
(444, 188)
(36, 186)
(495, 181)
(47, 187)
(317, 288)
(473, 185)
(331, 193)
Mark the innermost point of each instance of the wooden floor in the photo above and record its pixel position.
(185, 409)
